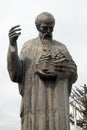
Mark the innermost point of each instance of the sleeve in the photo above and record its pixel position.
(71, 64)
(14, 64)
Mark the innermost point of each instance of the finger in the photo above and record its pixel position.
(15, 27)
(13, 31)
(14, 35)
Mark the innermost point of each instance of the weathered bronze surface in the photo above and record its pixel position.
(45, 72)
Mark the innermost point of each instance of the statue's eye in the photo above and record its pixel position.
(51, 28)
(45, 27)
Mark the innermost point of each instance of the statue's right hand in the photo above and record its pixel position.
(14, 33)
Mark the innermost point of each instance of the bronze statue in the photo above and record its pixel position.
(45, 72)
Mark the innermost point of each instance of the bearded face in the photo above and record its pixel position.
(45, 23)
(46, 30)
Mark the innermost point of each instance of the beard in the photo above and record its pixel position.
(46, 36)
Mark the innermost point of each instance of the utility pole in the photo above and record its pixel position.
(85, 99)
(75, 115)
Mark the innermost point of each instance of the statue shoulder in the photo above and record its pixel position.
(61, 47)
(29, 43)
(59, 44)
(28, 48)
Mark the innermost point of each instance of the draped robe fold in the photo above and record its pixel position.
(45, 101)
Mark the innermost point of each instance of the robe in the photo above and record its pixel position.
(45, 79)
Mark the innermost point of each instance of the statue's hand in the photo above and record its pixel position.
(14, 34)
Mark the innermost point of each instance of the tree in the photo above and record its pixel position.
(79, 102)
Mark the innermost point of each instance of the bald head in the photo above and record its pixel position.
(45, 18)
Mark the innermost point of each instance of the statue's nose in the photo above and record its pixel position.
(48, 30)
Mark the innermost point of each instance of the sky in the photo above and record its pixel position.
(70, 29)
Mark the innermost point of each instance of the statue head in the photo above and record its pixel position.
(45, 23)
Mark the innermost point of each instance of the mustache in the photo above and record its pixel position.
(46, 36)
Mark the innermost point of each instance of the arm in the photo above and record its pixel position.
(14, 64)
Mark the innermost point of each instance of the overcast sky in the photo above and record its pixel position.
(70, 29)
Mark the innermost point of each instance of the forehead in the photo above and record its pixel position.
(47, 24)
(46, 21)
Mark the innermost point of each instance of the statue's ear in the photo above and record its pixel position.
(38, 27)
